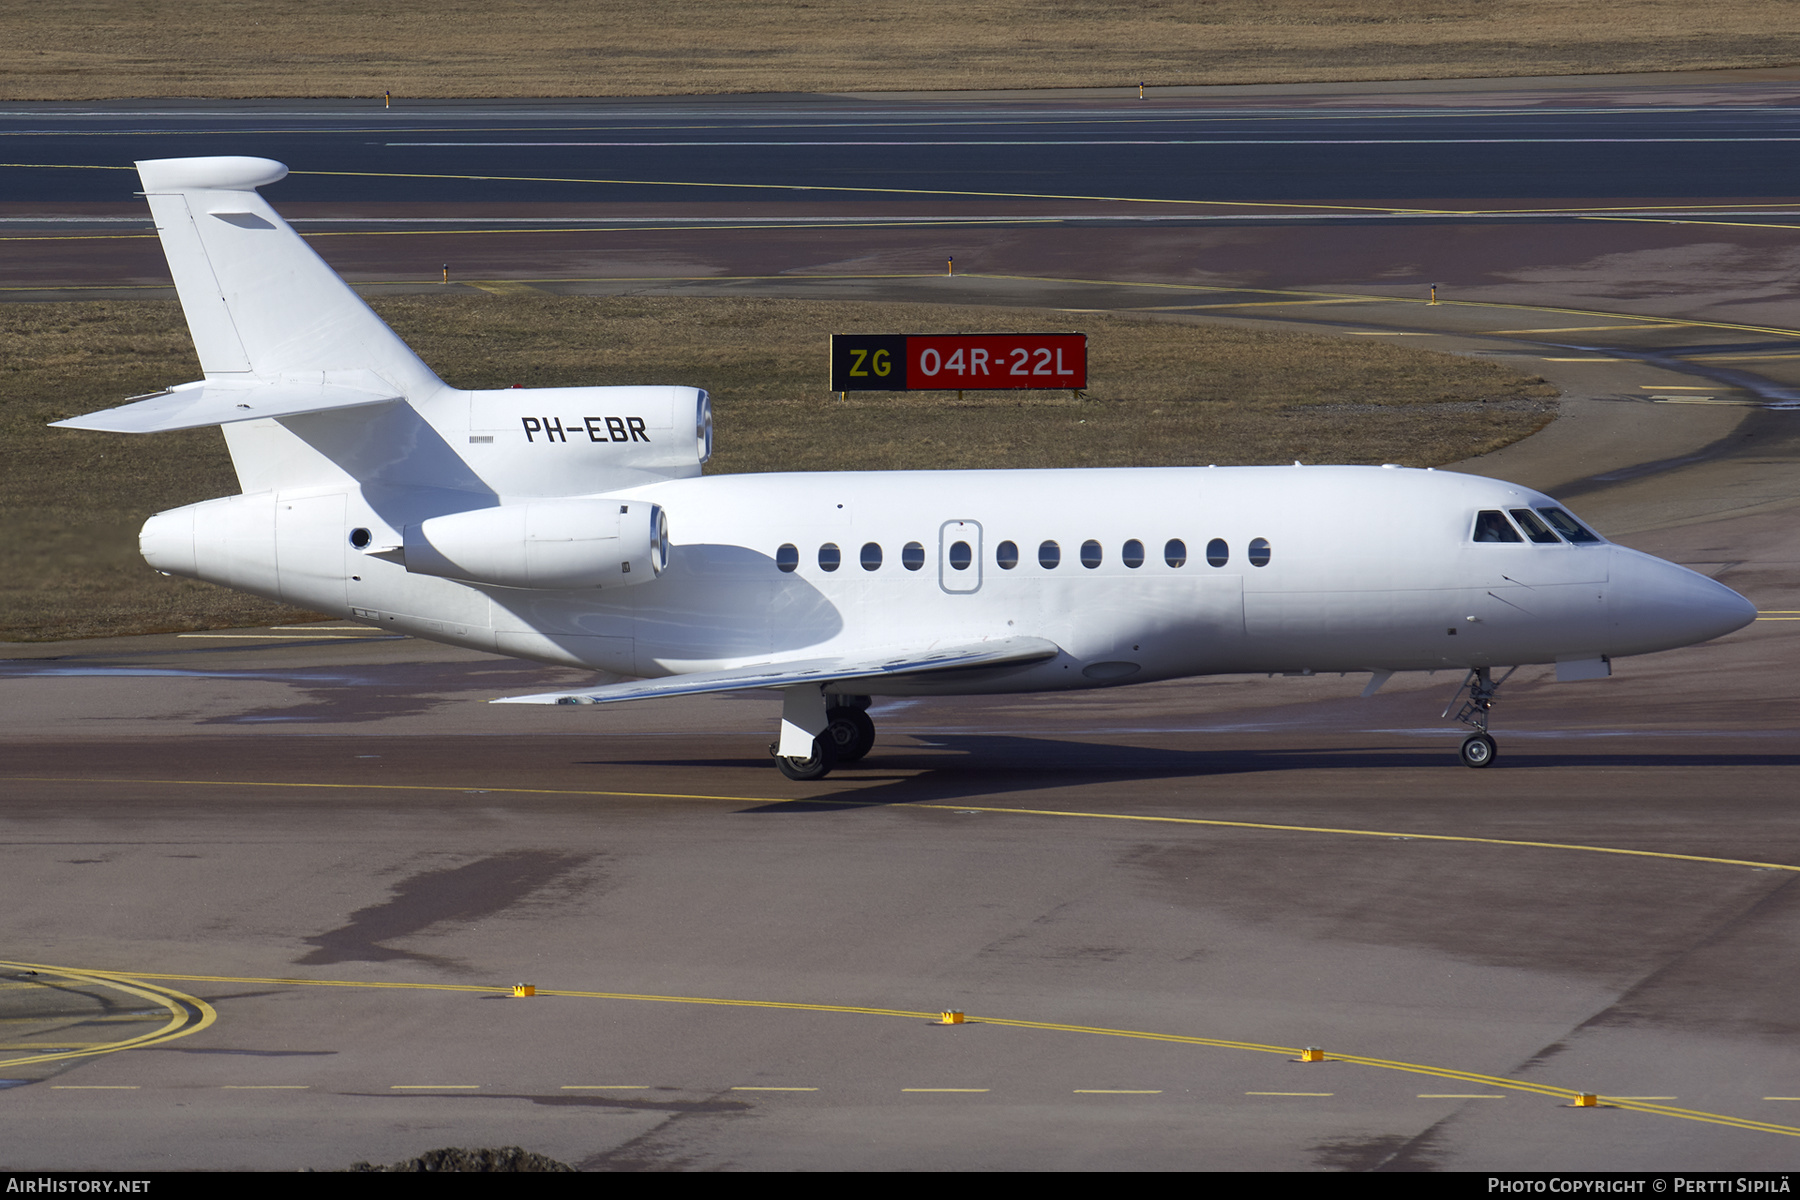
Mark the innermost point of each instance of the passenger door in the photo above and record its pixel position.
(959, 557)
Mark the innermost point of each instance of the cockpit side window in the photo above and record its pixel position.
(1491, 525)
(1534, 528)
(1566, 525)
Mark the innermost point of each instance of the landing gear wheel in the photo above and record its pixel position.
(824, 757)
(850, 732)
(1477, 750)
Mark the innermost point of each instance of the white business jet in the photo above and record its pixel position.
(573, 526)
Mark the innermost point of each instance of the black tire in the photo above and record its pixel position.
(1478, 750)
(850, 733)
(824, 757)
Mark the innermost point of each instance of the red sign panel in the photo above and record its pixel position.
(996, 360)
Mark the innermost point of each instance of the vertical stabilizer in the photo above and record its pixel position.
(260, 304)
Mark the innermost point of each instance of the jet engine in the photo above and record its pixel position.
(594, 543)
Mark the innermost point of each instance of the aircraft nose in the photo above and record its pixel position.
(1657, 605)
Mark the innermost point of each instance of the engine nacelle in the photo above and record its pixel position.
(555, 442)
(544, 544)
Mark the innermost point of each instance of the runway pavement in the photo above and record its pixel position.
(323, 862)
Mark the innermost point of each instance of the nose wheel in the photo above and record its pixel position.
(1478, 749)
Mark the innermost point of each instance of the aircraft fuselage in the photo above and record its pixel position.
(1136, 574)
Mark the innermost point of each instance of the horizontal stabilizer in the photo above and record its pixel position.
(1016, 651)
(197, 405)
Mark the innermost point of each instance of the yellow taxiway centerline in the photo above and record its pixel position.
(187, 1014)
(1467, 1077)
(1649, 321)
(1423, 837)
(1588, 212)
(961, 808)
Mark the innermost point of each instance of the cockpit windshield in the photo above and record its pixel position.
(1534, 528)
(1541, 527)
(1568, 526)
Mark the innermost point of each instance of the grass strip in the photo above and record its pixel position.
(87, 49)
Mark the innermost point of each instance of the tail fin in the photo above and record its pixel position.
(261, 305)
(312, 389)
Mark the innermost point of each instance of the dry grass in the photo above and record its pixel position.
(83, 49)
(1161, 393)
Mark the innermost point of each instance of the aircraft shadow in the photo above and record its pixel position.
(989, 765)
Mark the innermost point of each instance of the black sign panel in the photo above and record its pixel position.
(868, 362)
(895, 362)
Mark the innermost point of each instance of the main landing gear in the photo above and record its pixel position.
(824, 757)
(1478, 748)
(848, 735)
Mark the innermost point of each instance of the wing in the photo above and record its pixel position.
(1000, 652)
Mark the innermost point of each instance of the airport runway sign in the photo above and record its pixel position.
(899, 362)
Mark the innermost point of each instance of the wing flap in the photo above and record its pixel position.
(198, 405)
(1000, 652)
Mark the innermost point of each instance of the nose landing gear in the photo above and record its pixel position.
(1478, 749)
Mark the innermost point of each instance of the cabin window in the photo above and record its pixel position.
(1132, 554)
(1491, 525)
(1217, 553)
(961, 556)
(1090, 554)
(1568, 526)
(830, 556)
(912, 556)
(1259, 552)
(1534, 528)
(1006, 555)
(1049, 554)
(1175, 553)
(871, 557)
(788, 557)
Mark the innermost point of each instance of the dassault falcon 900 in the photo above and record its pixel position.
(573, 526)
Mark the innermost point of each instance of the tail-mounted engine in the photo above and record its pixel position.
(594, 543)
(578, 441)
